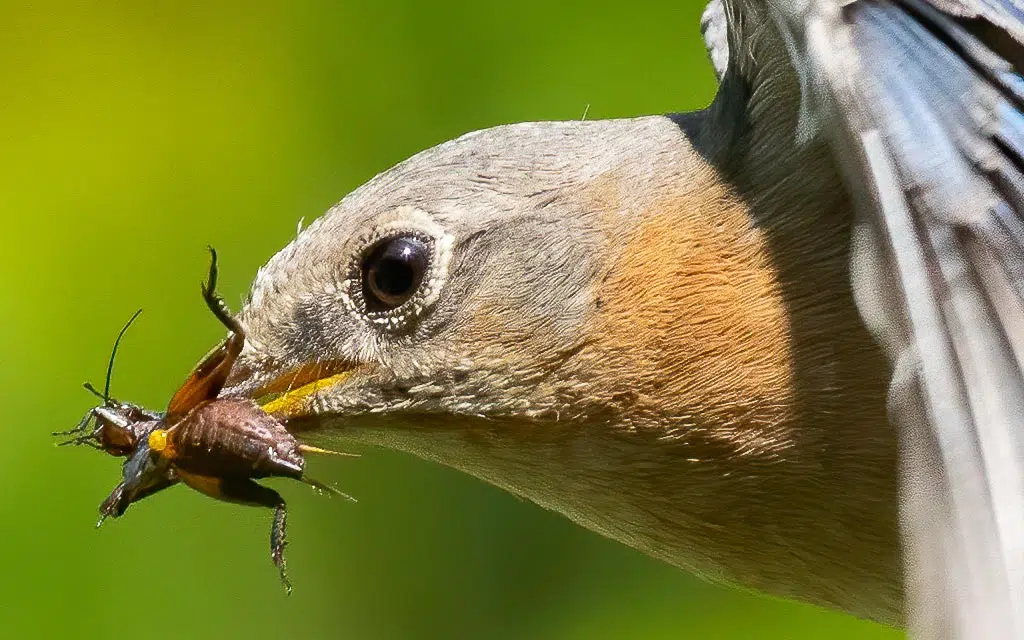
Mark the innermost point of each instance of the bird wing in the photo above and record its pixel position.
(923, 106)
(714, 26)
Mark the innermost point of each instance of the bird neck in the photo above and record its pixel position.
(745, 400)
(725, 413)
(724, 408)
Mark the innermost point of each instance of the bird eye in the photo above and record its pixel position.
(393, 271)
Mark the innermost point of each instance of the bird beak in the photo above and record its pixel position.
(290, 393)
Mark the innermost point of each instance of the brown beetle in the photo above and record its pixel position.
(217, 446)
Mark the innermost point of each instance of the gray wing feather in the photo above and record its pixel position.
(714, 26)
(923, 104)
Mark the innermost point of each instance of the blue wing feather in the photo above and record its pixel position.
(923, 101)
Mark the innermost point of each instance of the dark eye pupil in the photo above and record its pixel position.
(393, 271)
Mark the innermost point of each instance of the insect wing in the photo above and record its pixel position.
(206, 380)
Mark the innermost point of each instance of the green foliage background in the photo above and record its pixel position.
(133, 134)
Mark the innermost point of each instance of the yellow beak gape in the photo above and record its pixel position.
(290, 403)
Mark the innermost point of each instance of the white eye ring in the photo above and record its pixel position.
(405, 222)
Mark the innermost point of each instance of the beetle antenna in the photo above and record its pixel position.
(215, 302)
(91, 389)
(110, 363)
(327, 489)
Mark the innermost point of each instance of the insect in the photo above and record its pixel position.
(217, 446)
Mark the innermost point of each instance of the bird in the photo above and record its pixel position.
(776, 342)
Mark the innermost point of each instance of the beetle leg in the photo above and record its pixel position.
(89, 440)
(83, 425)
(246, 491)
(215, 302)
(141, 479)
(278, 542)
(80, 434)
(114, 505)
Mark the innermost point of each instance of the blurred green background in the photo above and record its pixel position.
(133, 134)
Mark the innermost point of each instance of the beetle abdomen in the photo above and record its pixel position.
(233, 437)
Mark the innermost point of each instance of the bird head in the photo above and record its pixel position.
(518, 278)
(582, 313)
